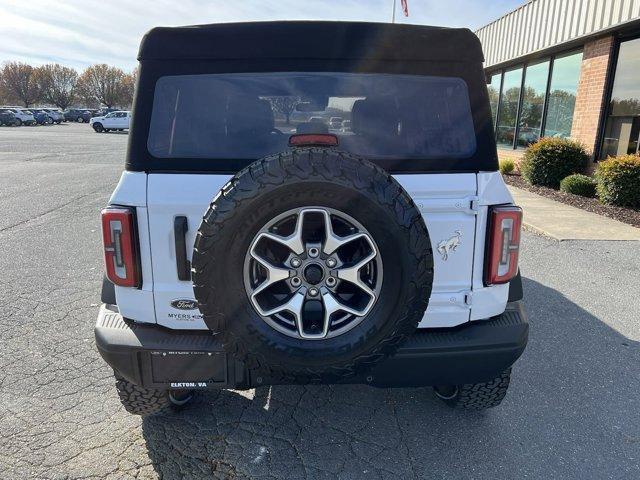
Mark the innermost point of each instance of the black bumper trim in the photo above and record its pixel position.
(156, 357)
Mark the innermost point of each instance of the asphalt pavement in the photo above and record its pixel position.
(571, 411)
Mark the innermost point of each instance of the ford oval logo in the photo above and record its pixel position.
(184, 304)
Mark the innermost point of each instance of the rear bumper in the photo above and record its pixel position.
(156, 357)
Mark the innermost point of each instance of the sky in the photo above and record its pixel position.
(78, 33)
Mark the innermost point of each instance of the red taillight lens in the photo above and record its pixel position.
(504, 244)
(120, 246)
(308, 139)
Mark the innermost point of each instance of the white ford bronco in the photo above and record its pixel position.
(249, 242)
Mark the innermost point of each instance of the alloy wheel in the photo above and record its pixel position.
(313, 273)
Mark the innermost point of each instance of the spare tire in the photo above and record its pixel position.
(312, 265)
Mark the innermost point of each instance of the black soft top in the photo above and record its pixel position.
(305, 46)
(311, 40)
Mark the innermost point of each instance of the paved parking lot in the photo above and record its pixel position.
(572, 410)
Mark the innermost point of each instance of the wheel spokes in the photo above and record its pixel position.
(352, 274)
(333, 305)
(332, 241)
(274, 274)
(313, 244)
(294, 305)
(294, 241)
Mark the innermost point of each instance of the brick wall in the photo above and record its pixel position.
(511, 154)
(590, 99)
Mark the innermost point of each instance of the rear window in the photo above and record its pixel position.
(248, 116)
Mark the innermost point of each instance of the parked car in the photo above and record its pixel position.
(23, 116)
(7, 118)
(56, 115)
(118, 120)
(42, 117)
(77, 115)
(106, 110)
(335, 122)
(325, 258)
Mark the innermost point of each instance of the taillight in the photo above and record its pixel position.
(504, 244)
(120, 246)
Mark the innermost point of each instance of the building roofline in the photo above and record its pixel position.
(509, 12)
(573, 44)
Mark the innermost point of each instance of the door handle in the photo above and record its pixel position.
(180, 228)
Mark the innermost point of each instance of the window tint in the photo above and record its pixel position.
(622, 133)
(535, 87)
(562, 95)
(509, 99)
(248, 116)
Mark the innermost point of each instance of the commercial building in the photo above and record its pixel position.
(566, 68)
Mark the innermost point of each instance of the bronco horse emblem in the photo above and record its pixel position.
(447, 246)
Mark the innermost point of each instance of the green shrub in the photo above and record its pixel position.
(579, 184)
(619, 181)
(549, 160)
(507, 166)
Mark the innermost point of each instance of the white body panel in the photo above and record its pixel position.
(133, 303)
(454, 207)
(487, 301)
(445, 202)
(168, 197)
(113, 120)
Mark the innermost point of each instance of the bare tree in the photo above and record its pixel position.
(18, 80)
(285, 105)
(6, 98)
(57, 84)
(128, 88)
(103, 84)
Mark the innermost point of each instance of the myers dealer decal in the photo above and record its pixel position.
(185, 304)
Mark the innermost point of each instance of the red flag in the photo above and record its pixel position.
(405, 7)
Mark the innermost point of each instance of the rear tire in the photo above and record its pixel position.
(146, 401)
(98, 127)
(324, 179)
(18, 122)
(475, 396)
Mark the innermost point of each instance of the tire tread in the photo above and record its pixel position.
(480, 396)
(300, 164)
(141, 401)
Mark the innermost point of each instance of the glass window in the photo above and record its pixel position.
(248, 116)
(509, 98)
(493, 87)
(562, 95)
(622, 131)
(535, 88)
